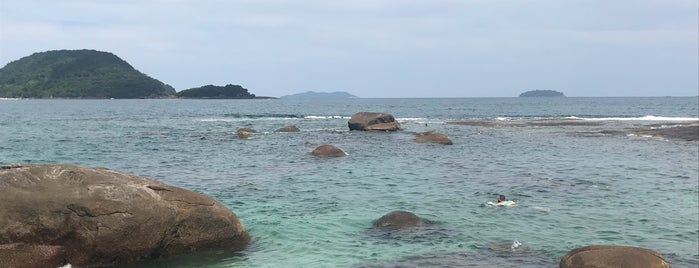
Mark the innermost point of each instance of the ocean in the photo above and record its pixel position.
(589, 182)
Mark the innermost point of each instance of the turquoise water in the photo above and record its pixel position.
(573, 187)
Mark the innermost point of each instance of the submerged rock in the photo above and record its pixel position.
(100, 217)
(432, 137)
(399, 220)
(328, 150)
(289, 129)
(613, 256)
(244, 133)
(677, 132)
(373, 121)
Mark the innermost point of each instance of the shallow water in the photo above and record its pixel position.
(572, 188)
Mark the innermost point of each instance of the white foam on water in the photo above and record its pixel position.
(326, 117)
(503, 118)
(543, 209)
(241, 119)
(411, 119)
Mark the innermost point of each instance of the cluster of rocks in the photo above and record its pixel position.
(54, 215)
(362, 121)
(583, 257)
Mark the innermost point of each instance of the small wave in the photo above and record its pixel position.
(503, 118)
(236, 115)
(326, 117)
(642, 118)
(406, 119)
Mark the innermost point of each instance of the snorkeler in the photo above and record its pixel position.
(503, 202)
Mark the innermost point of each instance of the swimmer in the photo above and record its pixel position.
(503, 202)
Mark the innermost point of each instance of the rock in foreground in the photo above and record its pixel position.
(101, 217)
(328, 150)
(432, 137)
(373, 121)
(613, 256)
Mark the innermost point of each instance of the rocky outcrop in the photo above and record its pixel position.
(373, 121)
(328, 150)
(289, 129)
(399, 220)
(613, 256)
(244, 133)
(432, 137)
(96, 216)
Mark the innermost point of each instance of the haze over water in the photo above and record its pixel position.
(574, 185)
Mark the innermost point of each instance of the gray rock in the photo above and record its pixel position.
(373, 121)
(102, 217)
(289, 129)
(399, 220)
(432, 137)
(328, 150)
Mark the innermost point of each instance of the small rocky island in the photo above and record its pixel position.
(542, 93)
(216, 92)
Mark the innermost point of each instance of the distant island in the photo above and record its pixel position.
(83, 73)
(216, 92)
(312, 95)
(542, 93)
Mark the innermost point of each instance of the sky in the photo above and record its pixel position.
(379, 48)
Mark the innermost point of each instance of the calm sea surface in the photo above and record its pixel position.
(573, 185)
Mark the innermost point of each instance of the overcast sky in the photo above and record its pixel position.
(379, 48)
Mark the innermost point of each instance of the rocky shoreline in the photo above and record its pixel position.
(674, 131)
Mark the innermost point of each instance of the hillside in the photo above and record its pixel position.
(542, 93)
(216, 92)
(312, 95)
(77, 74)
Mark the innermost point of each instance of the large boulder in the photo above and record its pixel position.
(96, 216)
(432, 137)
(328, 150)
(373, 121)
(613, 256)
(399, 220)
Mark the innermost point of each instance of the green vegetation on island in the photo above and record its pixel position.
(216, 92)
(542, 93)
(77, 74)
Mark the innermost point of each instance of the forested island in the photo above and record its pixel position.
(542, 93)
(216, 92)
(88, 74)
